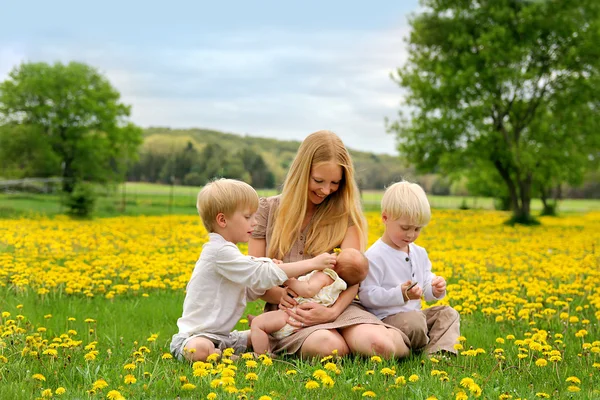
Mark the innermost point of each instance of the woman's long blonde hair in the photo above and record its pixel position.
(332, 217)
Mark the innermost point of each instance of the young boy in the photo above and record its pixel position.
(322, 287)
(224, 279)
(396, 263)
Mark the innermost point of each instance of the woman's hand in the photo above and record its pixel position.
(309, 314)
(287, 299)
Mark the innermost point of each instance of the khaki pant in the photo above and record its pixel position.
(434, 329)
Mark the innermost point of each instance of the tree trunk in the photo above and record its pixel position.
(68, 176)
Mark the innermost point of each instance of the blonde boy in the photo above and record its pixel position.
(224, 279)
(396, 263)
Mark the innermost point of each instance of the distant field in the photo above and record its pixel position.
(153, 199)
(371, 198)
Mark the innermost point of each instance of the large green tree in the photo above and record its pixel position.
(509, 86)
(68, 116)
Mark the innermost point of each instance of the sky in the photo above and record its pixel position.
(265, 68)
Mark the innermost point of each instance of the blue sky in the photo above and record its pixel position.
(265, 68)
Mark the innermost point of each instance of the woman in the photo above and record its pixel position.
(319, 210)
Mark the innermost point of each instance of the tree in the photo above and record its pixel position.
(260, 174)
(75, 111)
(511, 86)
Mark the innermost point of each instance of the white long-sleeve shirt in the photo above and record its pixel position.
(381, 292)
(222, 282)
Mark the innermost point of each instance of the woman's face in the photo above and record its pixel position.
(324, 179)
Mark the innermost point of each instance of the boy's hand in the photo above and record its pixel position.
(438, 286)
(324, 260)
(413, 294)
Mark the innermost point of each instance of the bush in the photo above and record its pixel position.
(80, 203)
(502, 203)
(193, 179)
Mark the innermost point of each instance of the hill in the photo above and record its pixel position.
(374, 171)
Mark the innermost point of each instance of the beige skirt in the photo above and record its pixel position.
(355, 314)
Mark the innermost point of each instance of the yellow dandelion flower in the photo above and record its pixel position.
(167, 356)
(251, 364)
(60, 390)
(500, 340)
(326, 358)
(573, 389)
(248, 356)
(264, 398)
(376, 359)
(432, 398)
(331, 366)
(327, 381)
(401, 380)
(541, 362)
(461, 395)
(413, 378)
(369, 393)
(475, 389)
(370, 372)
(357, 388)
(573, 379)
(251, 376)
(542, 395)
(466, 382)
(318, 374)
(312, 385)
(47, 393)
(212, 358)
(201, 372)
(211, 396)
(291, 372)
(129, 379)
(267, 361)
(99, 384)
(39, 377)
(114, 395)
(129, 367)
(188, 386)
(387, 372)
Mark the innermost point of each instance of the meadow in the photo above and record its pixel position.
(87, 310)
(137, 198)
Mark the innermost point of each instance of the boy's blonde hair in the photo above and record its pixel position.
(406, 199)
(330, 221)
(224, 196)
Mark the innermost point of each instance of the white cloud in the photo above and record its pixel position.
(265, 83)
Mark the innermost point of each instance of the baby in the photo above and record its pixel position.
(322, 287)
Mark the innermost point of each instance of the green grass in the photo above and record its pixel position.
(153, 199)
(123, 324)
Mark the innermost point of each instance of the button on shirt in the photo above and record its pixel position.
(381, 292)
(222, 282)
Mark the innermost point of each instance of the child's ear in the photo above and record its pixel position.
(384, 217)
(221, 220)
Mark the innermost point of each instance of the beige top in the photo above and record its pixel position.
(265, 218)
